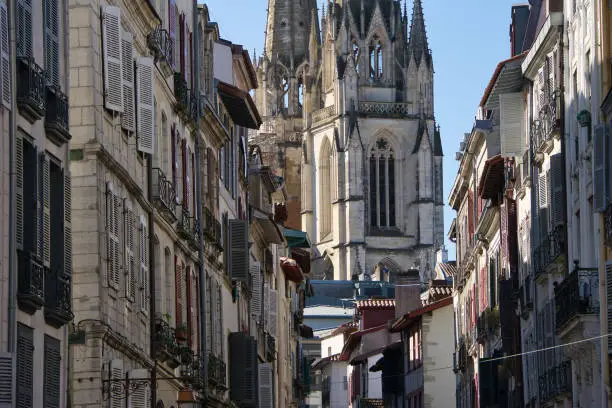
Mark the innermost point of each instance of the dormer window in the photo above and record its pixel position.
(376, 59)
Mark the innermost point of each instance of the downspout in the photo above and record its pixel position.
(67, 347)
(199, 202)
(152, 297)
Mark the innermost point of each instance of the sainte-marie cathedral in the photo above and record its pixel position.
(346, 96)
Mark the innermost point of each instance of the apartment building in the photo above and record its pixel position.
(36, 271)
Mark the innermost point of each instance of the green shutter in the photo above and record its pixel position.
(52, 49)
(239, 250)
(52, 374)
(25, 351)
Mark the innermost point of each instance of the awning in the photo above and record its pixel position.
(269, 229)
(493, 178)
(292, 270)
(297, 239)
(240, 106)
(378, 366)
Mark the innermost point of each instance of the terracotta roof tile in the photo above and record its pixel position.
(375, 304)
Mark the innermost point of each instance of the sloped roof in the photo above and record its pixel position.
(375, 304)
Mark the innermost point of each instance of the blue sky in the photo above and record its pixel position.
(468, 38)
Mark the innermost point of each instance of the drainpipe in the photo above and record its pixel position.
(202, 272)
(152, 297)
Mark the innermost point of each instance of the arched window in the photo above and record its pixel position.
(300, 94)
(285, 96)
(382, 185)
(325, 189)
(355, 49)
(425, 173)
(376, 59)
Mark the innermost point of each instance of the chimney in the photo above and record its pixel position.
(407, 292)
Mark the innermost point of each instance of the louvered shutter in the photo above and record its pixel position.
(599, 169)
(543, 191)
(52, 373)
(172, 29)
(67, 223)
(186, 50)
(52, 48)
(24, 28)
(188, 164)
(191, 66)
(144, 93)
(512, 124)
(130, 279)
(608, 270)
(189, 301)
(6, 380)
(5, 62)
(471, 213)
(128, 119)
(174, 156)
(273, 312)
(144, 266)
(184, 172)
(255, 270)
(46, 208)
(19, 190)
(219, 325)
(540, 89)
(266, 306)
(557, 190)
(178, 287)
(113, 208)
(140, 397)
(265, 386)
(182, 44)
(25, 366)
(113, 58)
(243, 370)
(239, 256)
(117, 376)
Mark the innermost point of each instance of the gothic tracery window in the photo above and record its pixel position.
(325, 188)
(376, 59)
(355, 49)
(382, 185)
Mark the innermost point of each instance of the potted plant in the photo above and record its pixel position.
(182, 332)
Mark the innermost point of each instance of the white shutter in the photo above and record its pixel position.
(111, 48)
(599, 169)
(266, 306)
(5, 62)
(265, 386)
(140, 397)
(130, 280)
(144, 93)
(255, 270)
(144, 266)
(113, 208)
(512, 125)
(543, 191)
(608, 270)
(128, 118)
(116, 391)
(273, 312)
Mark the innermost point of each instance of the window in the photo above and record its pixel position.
(52, 43)
(113, 211)
(25, 366)
(356, 54)
(376, 59)
(52, 373)
(382, 185)
(24, 28)
(325, 189)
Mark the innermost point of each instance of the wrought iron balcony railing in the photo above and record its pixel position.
(31, 88)
(526, 298)
(182, 95)
(164, 195)
(162, 47)
(212, 229)
(549, 250)
(58, 299)
(166, 346)
(217, 371)
(56, 120)
(578, 294)
(31, 282)
(556, 381)
(184, 227)
(270, 348)
(547, 125)
(194, 239)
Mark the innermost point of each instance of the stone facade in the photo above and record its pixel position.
(348, 111)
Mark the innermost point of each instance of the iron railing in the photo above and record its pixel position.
(556, 381)
(166, 346)
(31, 88)
(526, 298)
(56, 119)
(547, 124)
(164, 195)
(578, 294)
(161, 45)
(212, 228)
(270, 348)
(181, 93)
(31, 282)
(184, 227)
(549, 250)
(58, 299)
(217, 371)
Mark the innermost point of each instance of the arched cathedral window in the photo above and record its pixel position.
(376, 59)
(325, 188)
(355, 49)
(285, 96)
(382, 185)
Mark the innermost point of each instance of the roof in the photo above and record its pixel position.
(355, 337)
(345, 328)
(403, 322)
(322, 362)
(240, 106)
(493, 178)
(328, 311)
(517, 71)
(297, 239)
(375, 304)
(449, 269)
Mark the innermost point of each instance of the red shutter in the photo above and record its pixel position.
(185, 191)
(192, 74)
(174, 156)
(189, 307)
(182, 43)
(177, 291)
(193, 181)
(172, 28)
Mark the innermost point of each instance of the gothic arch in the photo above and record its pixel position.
(325, 189)
(384, 183)
(389, 136)
(386, 269)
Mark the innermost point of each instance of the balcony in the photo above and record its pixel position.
(577, 295)
(194, 240)
(217, 372)
(547, 125)
(526, 298)
(549, 250)
(31, 282)
(212, 229)
(487, 324)
(56, 120)
(555, 382)
(270, 348)
(162, 48)
(324, 114)
(414, 380)
(31, 85)
(385, 109)
(58, 299)
(187, 105)
(166, 346)
(164, 196)
(184, 227)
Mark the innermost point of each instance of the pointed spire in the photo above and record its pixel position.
(417, 44)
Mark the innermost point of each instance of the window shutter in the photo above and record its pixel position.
(512, 125)
(178, 287)
(67, 223)
(172, 30)
(608, 270)
(144, 93)
(471, 213)
(543, 190)
(266, 306)
(25, 366)
(130, 279)
(111, 48)
(239, 256)
(127, 49)
(19, 190)
(144, 266)
(52, 61)
(113, 208)
(5, 62)
(599, 169)
(189, 302)
(46, 208)
(191, 74)
(116, 391)
(182, 43)
(6, 380)
(219, 325)
(174, 156)
(255, 271)
(52, 374)
(557, 190)
(184, 172)
(273, 312)
(265, 386)
(243, 369)
(186, 50)
(140, 397)
(24, 28)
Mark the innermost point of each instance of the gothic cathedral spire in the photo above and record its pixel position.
(417, 44)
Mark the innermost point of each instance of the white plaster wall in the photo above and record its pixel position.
(336, 343)
(222, 63)
(439, 383)
(374, 379)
